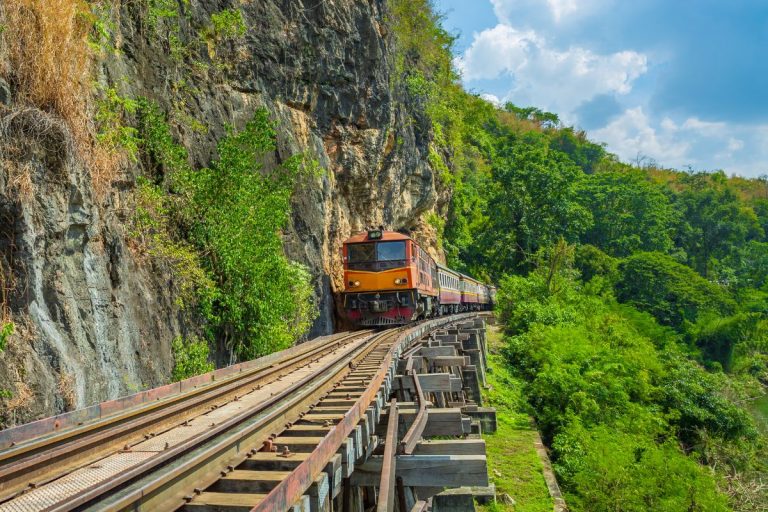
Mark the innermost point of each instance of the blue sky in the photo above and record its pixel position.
(682, 82)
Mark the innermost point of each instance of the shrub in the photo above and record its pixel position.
(606, 470)
(190, 358)
(6, 331)
(236, 211)
(154, 230)
(113, 131)
(232, 214)
(672, 292)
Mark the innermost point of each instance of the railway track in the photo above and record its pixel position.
(253, 439)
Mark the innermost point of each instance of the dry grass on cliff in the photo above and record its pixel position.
(19, 179)
(45, 55)
(66, 389)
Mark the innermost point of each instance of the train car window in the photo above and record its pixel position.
(359, 253)
(388, 251)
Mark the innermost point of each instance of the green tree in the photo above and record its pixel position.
(673, 293)
(609, 471)
(190, 358)
(236, 210)
(629, 213)
(533, 201)
(582, 151)
(714, 222)
(592, 262)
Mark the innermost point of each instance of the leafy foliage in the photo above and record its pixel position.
(635, 298)
(236, 210)
(715, 224)
(190, 358)
(629, 213)
(533, 200)
(672, 292)
(153, 229)
(6, 331)
(613, 394)
(636, 474)
(113, 131)
(219, 228)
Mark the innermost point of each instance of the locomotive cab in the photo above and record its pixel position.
(388, 279)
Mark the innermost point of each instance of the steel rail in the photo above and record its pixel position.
(152, 491)
(386, 500)
(289, 490)
(412, 437)
(93, 440)
(201, 459)
(278, 402)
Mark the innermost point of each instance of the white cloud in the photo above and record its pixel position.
(560, 11)
(562, 8)
(555, 80)
(492, 98)
(631, 136)
(704, 145)
(735, 144)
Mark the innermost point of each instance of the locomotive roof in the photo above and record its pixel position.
(386, 236)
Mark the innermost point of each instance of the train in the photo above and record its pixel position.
(390, 280)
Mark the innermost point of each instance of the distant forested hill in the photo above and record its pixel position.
(635, 298)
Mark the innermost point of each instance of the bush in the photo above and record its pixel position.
(616, 397)
(592, 262)
(231, 215)
(6, 331)
(608, 470)
(190, 358)
(672, 292)
(236, 210)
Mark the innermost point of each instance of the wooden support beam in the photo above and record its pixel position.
(302, 505)
(388, 467)
(451, 447)
(448, 361)
(430, 352)
(335, 478)
(218, 501)
(430, 382)
(440, 422)
(254, 482)
(428, 471)
(347, 451)
(271, 461)
(447, 447)
(319, 494)
(297, 444)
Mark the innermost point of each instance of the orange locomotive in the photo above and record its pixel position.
(390, 280)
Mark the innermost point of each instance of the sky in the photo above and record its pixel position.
(681, 82)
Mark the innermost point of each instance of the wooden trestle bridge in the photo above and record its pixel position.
(350, 422)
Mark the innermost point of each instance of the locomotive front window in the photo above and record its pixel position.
(389, 251)
(361, 253)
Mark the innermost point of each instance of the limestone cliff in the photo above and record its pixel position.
(94, 320)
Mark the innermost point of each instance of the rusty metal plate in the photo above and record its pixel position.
(60, 490)
(176, 435)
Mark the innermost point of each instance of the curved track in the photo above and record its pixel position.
(162, 454)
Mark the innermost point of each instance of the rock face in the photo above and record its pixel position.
(97, 320)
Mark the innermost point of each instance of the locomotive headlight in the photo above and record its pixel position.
(401, 280)
(354, 284)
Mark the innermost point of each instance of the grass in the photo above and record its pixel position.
(513, 463)
(46, 52)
